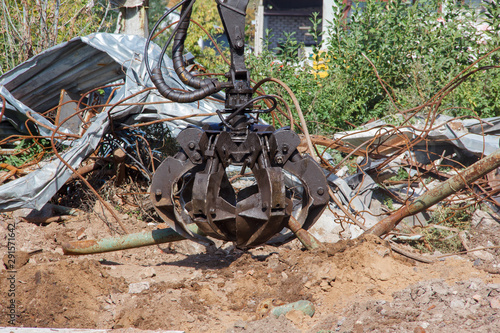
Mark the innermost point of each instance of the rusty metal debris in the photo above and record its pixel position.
(124, 97)
(442, 191)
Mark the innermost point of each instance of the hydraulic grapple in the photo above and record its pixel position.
(193, 187)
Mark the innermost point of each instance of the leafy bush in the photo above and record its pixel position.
(416, 51)
(26, 151)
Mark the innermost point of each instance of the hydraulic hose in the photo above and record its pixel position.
(205, 87)
(178, 51)
(180, 96)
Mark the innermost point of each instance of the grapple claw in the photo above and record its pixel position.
(194, 186)
(187, 190)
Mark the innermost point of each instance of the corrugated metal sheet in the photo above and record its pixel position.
(80, 65)
(74, 66)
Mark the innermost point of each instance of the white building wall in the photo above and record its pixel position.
(259, 28)
(329, 8)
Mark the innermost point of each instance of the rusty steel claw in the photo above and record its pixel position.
(193, 186)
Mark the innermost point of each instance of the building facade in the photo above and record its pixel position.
(287, 16)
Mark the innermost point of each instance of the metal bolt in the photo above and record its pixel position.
(285, 148)
(279, 159)
(321, 191)
(158, 192)
(197, 157)
(191, 145)
(212, 210)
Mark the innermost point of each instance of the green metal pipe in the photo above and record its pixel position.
(437, 194)
(130, 241)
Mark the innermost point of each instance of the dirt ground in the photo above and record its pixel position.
(356, 286)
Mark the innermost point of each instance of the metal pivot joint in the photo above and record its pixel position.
(193, 188)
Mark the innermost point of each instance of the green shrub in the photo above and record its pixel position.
(416, 51)
(26, 151)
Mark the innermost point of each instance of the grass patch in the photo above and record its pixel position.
(442, 233)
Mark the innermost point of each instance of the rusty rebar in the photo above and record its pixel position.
(439, 193)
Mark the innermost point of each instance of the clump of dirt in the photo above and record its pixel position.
(62, 292)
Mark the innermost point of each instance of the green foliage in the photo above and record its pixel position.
(285, 64)
(402, 175)
(416, 51)
(26, 151)
(406, 43)
(389, 203)
(444, 241)
(453, 216)
(454, 219)
(29, 27)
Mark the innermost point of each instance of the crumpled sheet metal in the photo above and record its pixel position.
(460, 137)
(76, 66)
(357, 200)
(38, 187)
(15, 114)
(486, 125)
(446, 131)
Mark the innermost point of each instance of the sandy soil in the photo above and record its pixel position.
(355, 286)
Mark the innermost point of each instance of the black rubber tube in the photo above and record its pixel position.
(205, 89)
(180, 96)
(178, 53)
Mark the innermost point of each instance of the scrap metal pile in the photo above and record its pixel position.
(96, 100)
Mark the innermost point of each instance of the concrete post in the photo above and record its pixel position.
(328, 11)
(259, 28)
(134, 16)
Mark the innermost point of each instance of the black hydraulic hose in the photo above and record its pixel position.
(242, 108)
(208, 88)
(180, 96)
(151, 34)
(178, 50)
(184, 13)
